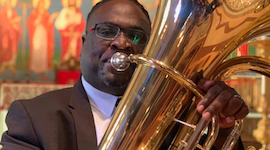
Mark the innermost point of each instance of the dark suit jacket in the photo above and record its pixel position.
(53, 121)
(58, 120)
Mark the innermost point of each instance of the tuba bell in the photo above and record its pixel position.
(187, 36)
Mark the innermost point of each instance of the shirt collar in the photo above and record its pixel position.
(104, 102)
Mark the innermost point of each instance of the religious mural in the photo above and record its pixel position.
(38, 36)
(41, 37)
(10, 32)
(70, 23)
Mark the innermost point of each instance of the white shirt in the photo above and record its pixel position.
(103, 108)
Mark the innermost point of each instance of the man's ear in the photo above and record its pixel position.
(83, 39)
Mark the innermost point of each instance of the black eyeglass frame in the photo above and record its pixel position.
(119, 32)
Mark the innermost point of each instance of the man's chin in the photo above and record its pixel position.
(118, 85)
(115, 82)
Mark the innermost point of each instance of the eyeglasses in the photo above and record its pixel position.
(110, 32)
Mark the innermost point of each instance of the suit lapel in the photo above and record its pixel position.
(83, 118)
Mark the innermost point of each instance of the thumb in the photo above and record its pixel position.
(226, 122)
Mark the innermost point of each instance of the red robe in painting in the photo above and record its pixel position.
(70, 25)
(37, 22)
(10, 32)
(242, 50)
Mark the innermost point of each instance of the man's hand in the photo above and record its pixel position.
(221, 100)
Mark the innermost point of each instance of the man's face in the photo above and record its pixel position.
(96, 52)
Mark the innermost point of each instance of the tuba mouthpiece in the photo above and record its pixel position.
(120, 61)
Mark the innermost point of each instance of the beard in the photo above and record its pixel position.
(112, 78)
(115, 82)
(106, 79)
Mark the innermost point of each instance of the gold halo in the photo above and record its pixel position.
(13, 3)
(94, 2)
(47, 3)
(2, 2)
(65, 3)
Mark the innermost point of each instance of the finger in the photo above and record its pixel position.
(205, 84)
(233, 106)
(226, 122)
(196, 76)
(214, 90)
(242, 112)
(218, 103)
(211, 94)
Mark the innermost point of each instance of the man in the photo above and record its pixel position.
(10, 31)
(70, 24)
(77, 118)
(41, 38)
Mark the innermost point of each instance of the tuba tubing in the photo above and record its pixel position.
(120, 60)
(187, 36)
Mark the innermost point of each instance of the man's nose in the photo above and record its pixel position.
(121, 42)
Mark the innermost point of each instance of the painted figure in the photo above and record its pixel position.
(242, 50)
(41, 34)
(10, 31)
(70, 24)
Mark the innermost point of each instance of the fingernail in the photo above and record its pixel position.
(200, 108)
(221, 115)
(206, 115)
(230, 119)
(208, 83)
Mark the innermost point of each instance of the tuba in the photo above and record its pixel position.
(187, 36)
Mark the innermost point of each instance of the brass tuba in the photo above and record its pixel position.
(187, 36)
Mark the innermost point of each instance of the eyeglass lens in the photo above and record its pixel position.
(109, 32)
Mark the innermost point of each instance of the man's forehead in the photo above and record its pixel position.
(123, 13)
